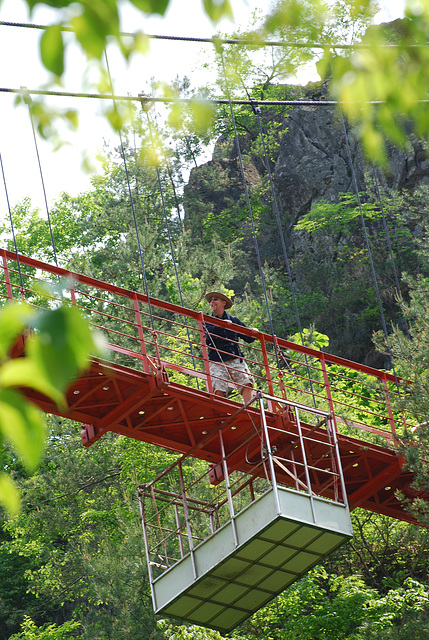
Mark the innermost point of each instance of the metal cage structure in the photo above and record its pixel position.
(155, 384)
(222, 542)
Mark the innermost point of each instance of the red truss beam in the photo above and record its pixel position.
(169, 415)
(156, 389)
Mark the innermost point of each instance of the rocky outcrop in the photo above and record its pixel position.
(319, 158)
(313, 162)
(215, 187)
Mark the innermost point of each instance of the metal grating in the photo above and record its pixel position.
(221, 542)
(267, 561)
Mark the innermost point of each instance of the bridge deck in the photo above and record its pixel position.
(156, 388)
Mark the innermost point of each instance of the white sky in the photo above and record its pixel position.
(20, 66)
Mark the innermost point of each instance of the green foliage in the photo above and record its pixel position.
(95, 24)
(30, 631)
(410, 355)
(56, 351)
(183, 632)
(383, 551)
(216, 9)
(380, 86)
(311, 338)
(52, 50)
(390, 67)
(79, 534)
(336, 217)
(76, 546)
(324, 606)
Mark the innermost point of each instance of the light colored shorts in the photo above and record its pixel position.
(235, 370)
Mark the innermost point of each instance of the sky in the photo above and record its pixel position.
(21, 67)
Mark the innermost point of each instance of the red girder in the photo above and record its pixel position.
(144, 404)
(110, 398)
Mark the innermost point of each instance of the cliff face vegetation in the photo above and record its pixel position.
(74, 557)
(318, 170)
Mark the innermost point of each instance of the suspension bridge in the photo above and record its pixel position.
(278, 476)
(328, 428)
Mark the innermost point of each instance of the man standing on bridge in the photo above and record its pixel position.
(226, 361)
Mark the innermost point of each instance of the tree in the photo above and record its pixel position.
(30, 631)
(389, 65)
(323, 606)
(79, 534)
(410, 356)
(56, 351)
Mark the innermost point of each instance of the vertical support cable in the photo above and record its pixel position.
(27, 100)
(368, 248)
(389, 244)
(257, 111)
(170, 241)
(249, 207)
(140, 250)
(11, 224)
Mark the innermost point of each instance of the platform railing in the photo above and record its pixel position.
(149, 333)
(187, 503)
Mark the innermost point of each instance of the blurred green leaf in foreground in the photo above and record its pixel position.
(58, 344)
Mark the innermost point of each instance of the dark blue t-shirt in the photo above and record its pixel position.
(223, 342)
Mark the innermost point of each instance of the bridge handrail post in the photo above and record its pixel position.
(7, 277)
(279, 371)
(305, 461)
(389, 405)
(187, 518)
(261, 338)
(327, 384)
(146, 545)
(73, 292)
(228, 489)
(200, 321)
(331, 427)
(146, 367)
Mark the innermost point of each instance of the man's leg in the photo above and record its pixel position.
(242, 377)
(219, 375)
(247, 393)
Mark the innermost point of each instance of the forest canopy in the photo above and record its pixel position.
(73, 562)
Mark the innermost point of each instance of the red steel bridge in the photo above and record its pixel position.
(155, 387)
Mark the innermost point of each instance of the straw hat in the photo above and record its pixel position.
(222, 296)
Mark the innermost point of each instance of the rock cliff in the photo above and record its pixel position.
(319, 157)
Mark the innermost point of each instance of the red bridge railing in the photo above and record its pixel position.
(146, 333)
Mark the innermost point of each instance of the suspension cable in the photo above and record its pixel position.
(215, 40)
(257, 112)
(140, 250)
(389, 244)
(368, 248)
(249, 207)
(173, 255)
(27, 100)
(139, 98)
(11, 224)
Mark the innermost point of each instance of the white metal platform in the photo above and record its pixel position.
(273, 551)
(216, 554)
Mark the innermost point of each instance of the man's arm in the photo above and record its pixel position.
(241, 324)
